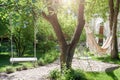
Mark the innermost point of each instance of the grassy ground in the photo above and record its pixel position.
(107, 75)
(112, 75)
(4, 62)
(81, 75)
(46, 58)
(107, 58)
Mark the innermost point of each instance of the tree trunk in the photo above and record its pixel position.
(100, 40)
(113, 27)
(77, 33)
(114, 50)
(67, 50)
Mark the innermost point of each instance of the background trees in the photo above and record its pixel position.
(64, 16)
(21, 17)
(102, 9)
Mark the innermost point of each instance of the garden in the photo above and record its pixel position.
(59, 39)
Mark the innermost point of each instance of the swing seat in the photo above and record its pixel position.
(85, 58)
(32, 59)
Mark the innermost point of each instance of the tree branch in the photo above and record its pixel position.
(52, 18)
(2, 5)
(45, 16)
(80, 25)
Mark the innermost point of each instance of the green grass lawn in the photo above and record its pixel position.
(112, 75)
(5, 63)
(46, 58)
(106, 58)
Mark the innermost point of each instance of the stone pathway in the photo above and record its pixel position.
(42, 71)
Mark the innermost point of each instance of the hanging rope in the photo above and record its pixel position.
(12, 59)
(35, 29)
(35, 32)
(11, 33)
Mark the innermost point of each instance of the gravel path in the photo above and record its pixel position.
(40, 72)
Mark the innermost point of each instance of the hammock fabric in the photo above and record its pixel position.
(93, 45)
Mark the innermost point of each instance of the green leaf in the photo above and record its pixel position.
(16, 1)
(33, 1)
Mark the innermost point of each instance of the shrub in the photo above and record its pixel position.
(35, 64)
(24, 67)
(69, 74)
(19, 69)
(55, 74)
(46, 46)
(48, 57)
(9, 70)
(41, 62)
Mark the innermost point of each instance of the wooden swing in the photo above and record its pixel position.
(22, 59)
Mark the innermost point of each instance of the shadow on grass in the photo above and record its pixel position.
(4, 60)
(110, 72)
(109, 60)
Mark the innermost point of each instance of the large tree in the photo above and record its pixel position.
(114, 10)
(67, 49)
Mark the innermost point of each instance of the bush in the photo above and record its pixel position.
(54, 74)
(48, 57)
(41, 62)
(24, 67)
(9, 70)
(46, 46)
(19, 69)
(69, 74)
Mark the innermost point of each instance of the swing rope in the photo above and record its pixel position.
(12, 59)
(11, 33)
(35, 40)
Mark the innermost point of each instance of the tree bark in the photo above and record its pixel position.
(113, 27)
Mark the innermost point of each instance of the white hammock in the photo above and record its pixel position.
(93, 45)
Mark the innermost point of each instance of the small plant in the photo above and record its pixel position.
(68, 74)
(24, 67)
(41, 62)
(9, 70)
(55, 74)
(19, 69)
(51, 56)
(35, 65)
(48, 57)
(71, 74)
